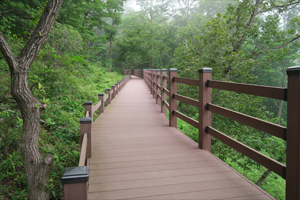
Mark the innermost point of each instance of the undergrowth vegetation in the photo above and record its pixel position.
(63, 80)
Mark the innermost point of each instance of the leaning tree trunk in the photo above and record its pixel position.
(36, 170)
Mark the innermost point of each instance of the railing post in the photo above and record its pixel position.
(163, 95)
(101, 98)
(157, 88)
(86, 127)
(114, 92)
(151, 81)
(108, 99)
(116, 89)
(173, 102)
(88, 106)
(204, 115)
(293, 133)
(75, 182)
(154, 84)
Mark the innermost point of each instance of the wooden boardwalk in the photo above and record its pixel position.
(136, 155)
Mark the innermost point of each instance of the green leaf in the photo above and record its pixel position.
(40, 86)
(40, 33)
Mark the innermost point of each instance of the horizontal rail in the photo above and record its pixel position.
(258, 157)
(159, 96)
(185, 118)
(165, 90)
(268, 127)
(166, 104)
(187, 81)
(166, 78)
(158, 75)
(105, 98)
(96, 107)
(159, 86)
(187, 100)
(258, 90)
(87, 114)
(83, 151)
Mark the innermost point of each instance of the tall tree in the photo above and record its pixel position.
(37, 170)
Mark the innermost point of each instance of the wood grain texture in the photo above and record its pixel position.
(137, 155)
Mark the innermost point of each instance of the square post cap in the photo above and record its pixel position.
(116, 84)
(293, 70)
(100, 94)
(75, 175)
(164, 70)
(113, 86)
(88, 103)
(205, 69)
(85, 120)
(173, 70)
(107, 89)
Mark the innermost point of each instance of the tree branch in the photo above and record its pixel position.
(6, 52)
(276, 47)
(39, 35)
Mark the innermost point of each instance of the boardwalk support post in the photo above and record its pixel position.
(204, 115)
(157, 88)
(116, 89)
(293, 131)
(113, 89)
(86, 127)
(173, 102)
(108, 99)
(163, 95)
(101, 98)
(88, 106)
(75, 182)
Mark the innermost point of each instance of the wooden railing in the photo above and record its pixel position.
(291, 133)
(135, 72)
(75, 179)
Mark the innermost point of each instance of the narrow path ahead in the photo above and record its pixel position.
(136, 155)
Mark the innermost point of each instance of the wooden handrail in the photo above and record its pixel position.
(82, 158)
(166, 104)
(167, 78)
(165, 90)
(268, 127)
(185, 118)
(96, 107)
(87, 114)
(258, 90)
(187, 100)
(260, 158)
(105, 98)
(186, 81)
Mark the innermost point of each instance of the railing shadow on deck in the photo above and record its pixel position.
(156, 80)
(75, 179)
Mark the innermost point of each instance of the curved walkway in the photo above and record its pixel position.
(136, 155)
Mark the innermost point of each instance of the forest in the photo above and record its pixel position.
(88, 45)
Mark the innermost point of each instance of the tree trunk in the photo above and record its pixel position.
(37, 170)
(110, 44)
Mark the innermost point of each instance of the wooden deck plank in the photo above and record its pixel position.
(135, 154)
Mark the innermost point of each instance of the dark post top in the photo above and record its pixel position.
(205, 70)
(293, 70)
(100, 94)
(113, 86)
(107, 89)
(173, 70)
(88, 103)
(86, 120)
(75, 175)
(164, 70)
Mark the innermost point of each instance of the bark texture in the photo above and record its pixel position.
(37, 170)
